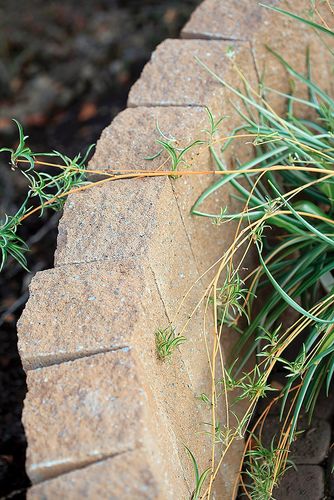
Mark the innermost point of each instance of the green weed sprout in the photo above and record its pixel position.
(167, 341)
(43, 191)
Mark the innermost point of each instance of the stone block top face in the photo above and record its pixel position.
(119, 219)
(80, 412)
(248, 20)
(126, 476)
(233, 20)
(132, 135)
(126, 218)
(174, 77)
(112, 222)
(81, 310)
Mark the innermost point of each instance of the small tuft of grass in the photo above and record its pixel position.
(167, 341)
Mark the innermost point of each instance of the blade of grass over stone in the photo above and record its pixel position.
(199, 478)
(275, 121)
(294, 261)
(311, 85)
(310, 23)
(246, 166)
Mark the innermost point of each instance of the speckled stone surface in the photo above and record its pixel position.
(175, 77)
(128, 477)
(82, 411)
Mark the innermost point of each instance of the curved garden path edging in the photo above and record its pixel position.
(103, 417)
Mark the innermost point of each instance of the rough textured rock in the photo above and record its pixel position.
(103, 308)
(167, 390)
(234, 21)
(130, 252)
(128, 218)
(93, 402)
(312, 444)
(175, 77)
(247, 20)
(95, 407)
(128, 476)
(305, 483)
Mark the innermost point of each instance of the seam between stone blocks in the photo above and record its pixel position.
(159, 292)
(188, 35)
(162, 105)
(70, 359)
(253, 54)
(182, 361)
(184, 227)
(83, 465)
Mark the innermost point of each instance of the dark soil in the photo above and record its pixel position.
(65, 72)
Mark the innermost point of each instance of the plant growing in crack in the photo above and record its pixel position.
(176, 154)
(167, 341)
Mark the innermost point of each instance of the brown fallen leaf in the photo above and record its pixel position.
(88, 111)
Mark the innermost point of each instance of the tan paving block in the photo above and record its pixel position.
(84, 411)
(92, 408)
(125, 217)
(247, 20)
(81, 411)
(82, 309)
(112, 221)
(233, 20)
(137, 221)
(74, 311)
(131, 136)
(140, 219)
(140, 222)
(121, 218)
(174, 77)
(169, 388)
(124, 477)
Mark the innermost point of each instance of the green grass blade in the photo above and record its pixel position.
(299, 18)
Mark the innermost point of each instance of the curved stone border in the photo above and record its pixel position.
(103, 417)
